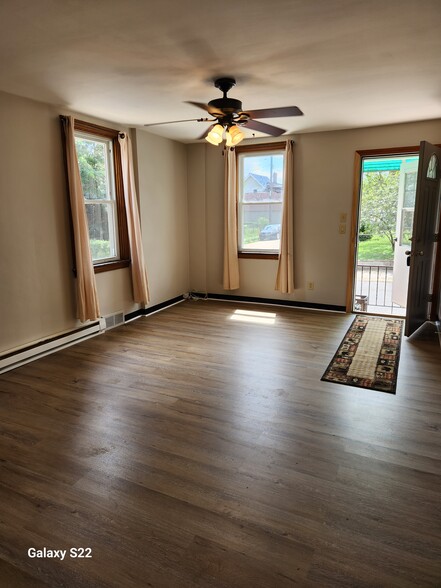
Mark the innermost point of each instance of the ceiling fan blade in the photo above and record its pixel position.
(213, 111)
(170, 122)
(275, 112)
(256, 125)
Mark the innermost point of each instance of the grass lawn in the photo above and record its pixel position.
(376, 249)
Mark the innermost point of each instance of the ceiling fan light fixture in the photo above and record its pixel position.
(234, 136)
(215, 135)
(227, 114)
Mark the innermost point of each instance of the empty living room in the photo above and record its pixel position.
(220, 283)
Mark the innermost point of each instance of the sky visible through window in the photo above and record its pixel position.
(264, 165)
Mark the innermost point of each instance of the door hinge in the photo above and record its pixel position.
(429, 297)
(436, 238)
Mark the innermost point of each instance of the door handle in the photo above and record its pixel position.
(409, 255)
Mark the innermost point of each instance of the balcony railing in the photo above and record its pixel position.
(373, 288)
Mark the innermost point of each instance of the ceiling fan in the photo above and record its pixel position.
(227, 116)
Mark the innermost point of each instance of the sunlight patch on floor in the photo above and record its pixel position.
(254, 316)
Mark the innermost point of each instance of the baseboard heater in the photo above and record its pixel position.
(25, 354)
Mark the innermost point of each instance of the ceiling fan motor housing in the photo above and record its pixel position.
(227, 105)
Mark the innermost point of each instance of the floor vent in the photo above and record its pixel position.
(114, 320)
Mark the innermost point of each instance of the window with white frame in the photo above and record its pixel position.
(260, 197)
(95, 159)
(99, 161)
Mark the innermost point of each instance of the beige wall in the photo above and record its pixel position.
(323, 185)
(162, 174)
(181, 203)
(37, 297)
(36, 288)
(197, 226)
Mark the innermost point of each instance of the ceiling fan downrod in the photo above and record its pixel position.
(225, 104)
(224, 85)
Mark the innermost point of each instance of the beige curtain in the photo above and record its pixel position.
(87, 297)
(231, 260)
(139, 273)
(285, 269)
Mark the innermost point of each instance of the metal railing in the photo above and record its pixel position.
(373, 286)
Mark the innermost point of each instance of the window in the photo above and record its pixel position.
(432, 168)
(100, 170)
(260, 196)
(407, 211)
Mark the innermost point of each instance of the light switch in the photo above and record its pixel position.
(343, 217)
(342, 228)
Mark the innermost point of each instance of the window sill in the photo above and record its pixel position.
(249, 255)
(111, 265)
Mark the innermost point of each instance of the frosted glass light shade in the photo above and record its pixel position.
(215, 135)
(234, 136)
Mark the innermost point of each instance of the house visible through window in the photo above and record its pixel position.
(99, 162)
(260, 196)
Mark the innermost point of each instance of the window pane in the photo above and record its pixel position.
(260, 200)
(406, 226)
(100, 218)
(432, 167)
(410, 180)
(95, 162)
(94, 169)
(261, 224)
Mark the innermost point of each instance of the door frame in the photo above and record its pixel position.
(359, 154)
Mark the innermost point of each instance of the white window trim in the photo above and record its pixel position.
(111, 200)
(240, 157)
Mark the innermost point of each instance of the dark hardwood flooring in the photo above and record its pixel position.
(188, 449)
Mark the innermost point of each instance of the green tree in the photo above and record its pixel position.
(379, 198)
(92, 164)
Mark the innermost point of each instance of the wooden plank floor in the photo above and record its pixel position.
(193, 449)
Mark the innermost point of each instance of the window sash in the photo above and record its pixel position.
(110, 206)
(103, 204)
(103, 133)
(259, 151)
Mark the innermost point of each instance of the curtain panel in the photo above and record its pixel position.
(231, 259)
(139, 273)
(285, 268)
(87, 297)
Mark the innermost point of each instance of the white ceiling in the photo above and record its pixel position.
(345, 63)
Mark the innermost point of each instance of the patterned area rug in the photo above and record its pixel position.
(369, 354)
